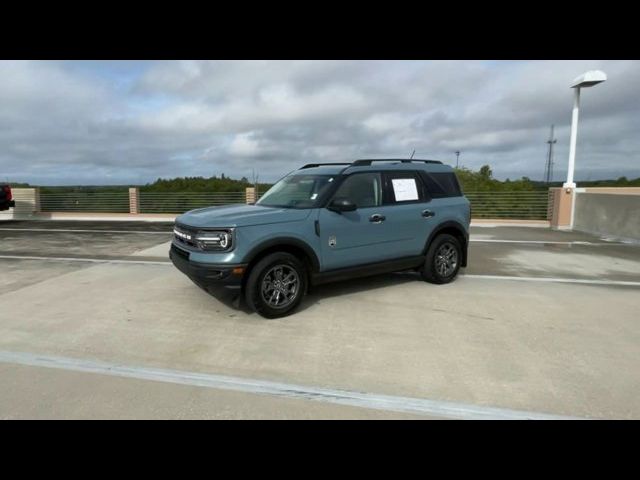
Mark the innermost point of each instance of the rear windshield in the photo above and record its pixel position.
(441, 184)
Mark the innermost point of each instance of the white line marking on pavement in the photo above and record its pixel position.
(64, 230)
(343, 397)
(488, 277)
(90, 260)
(556, 242)
(502, 224)
(555, 280)
(552, 242)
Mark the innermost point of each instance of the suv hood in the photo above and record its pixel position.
(240, 216)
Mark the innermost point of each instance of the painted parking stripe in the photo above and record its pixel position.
(552, 242)
(374, 401)
(473, 276)
(556, 242)
(85, 259)
(78, 230)
(555, 280)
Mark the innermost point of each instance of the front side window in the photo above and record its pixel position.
(362, 189)
(297, 191)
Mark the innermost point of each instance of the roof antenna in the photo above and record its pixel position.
(412, 154)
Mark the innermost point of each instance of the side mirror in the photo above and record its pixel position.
(342, 205)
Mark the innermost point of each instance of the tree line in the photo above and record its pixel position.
(471, 181)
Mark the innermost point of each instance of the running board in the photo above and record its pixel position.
(370, 269)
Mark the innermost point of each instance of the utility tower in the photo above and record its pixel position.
(548, 171)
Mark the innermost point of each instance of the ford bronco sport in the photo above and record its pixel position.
(328, 222)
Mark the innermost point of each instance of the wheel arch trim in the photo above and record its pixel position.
(450, 225)
(269, 244)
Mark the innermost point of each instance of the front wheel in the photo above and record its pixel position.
(443, 259)
(276, 285)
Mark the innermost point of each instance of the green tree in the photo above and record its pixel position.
(485, 172)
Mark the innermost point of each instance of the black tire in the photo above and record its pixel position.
(263, 294)
(438, 267)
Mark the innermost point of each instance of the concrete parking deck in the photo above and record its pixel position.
(96, 323)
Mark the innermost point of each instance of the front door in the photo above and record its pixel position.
(359, 237)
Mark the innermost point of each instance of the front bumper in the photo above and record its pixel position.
(207, 274)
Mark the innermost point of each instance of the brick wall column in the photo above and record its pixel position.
(134, 200)
(250, 195)
(36, 200)
(561, 211)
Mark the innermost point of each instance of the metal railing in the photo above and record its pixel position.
(99, 202)
(525, 205)
(180, 202)
(516, 205)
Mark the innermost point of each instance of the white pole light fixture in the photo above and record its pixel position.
(587, 79)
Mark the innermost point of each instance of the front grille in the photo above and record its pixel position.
(182, 240)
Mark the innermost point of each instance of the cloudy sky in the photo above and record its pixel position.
(107, 122)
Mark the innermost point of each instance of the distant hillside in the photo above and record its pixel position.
(620, 182)
(483, 181)
(16, 184)
(471, 181)
(201, 184)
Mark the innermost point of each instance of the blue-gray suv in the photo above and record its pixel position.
(328, 222)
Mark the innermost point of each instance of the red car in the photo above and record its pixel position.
(6, 198)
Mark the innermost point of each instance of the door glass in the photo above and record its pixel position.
(362, 189)
(403, 188)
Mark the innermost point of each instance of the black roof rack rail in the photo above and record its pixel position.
(401, 160)
(313, 165)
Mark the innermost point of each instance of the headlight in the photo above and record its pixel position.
(214, 240)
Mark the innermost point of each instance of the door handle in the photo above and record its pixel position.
(428, 213)
(377, 218)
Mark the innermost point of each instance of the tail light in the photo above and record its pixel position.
(7, 191)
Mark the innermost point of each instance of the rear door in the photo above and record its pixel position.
(446, 197)
(409, 212)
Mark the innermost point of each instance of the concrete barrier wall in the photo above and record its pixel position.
(27, 203)
(616, 190)
(610, 214)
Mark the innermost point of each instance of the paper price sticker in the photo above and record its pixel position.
(405, 189)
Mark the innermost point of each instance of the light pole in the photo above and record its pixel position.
(588, 79)
(457, 157)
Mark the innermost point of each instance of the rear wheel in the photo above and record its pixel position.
(442, 262)
(276, 285)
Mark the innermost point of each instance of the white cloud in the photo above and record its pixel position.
(63, 124)
(245, 145)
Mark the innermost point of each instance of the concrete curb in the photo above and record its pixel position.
(160, 217)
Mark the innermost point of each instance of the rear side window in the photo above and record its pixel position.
(441, 184)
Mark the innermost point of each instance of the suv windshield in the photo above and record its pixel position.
(297, 191)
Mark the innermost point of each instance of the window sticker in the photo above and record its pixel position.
(405, 189)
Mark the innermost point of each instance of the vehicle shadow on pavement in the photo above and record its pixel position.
(357, 285)
(234, 299)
